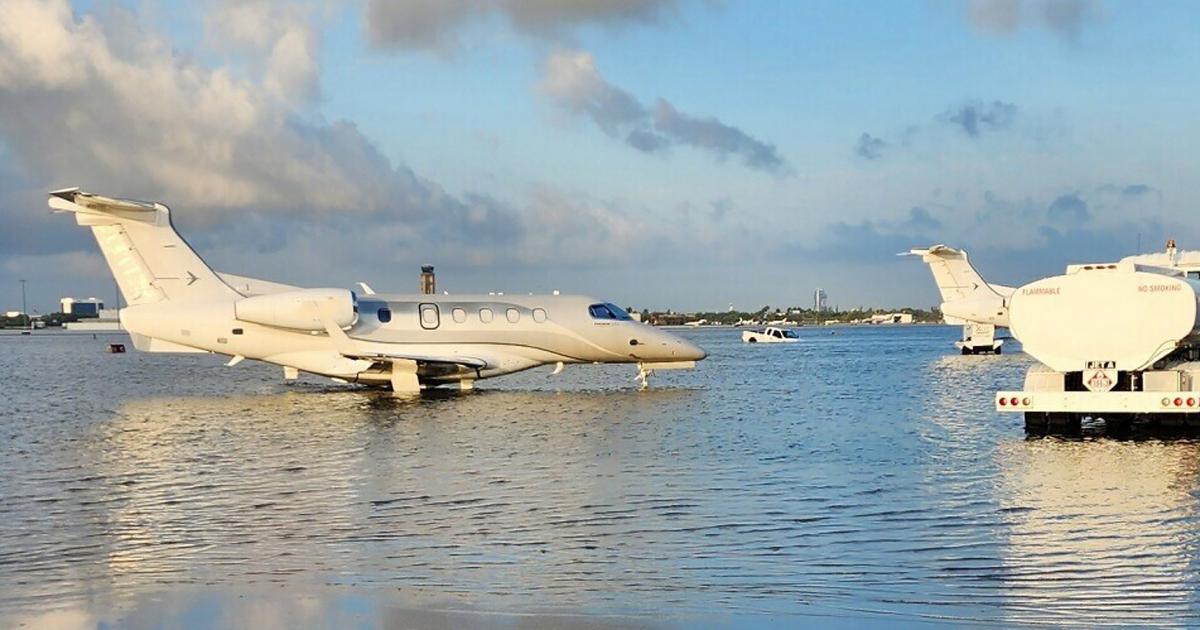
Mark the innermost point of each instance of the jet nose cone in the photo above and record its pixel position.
(689, 351)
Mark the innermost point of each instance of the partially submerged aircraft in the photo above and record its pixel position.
(177, 303)
(980, 307)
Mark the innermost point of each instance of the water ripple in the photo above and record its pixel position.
(860, 475)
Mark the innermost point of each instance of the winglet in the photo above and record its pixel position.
(366, 288)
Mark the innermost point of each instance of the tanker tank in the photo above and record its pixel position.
(1118, 341)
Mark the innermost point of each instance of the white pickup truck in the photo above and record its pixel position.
(770, 334)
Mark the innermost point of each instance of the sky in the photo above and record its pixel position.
(656, 153)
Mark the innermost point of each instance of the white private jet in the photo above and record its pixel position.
(176, 303)
(980, 307)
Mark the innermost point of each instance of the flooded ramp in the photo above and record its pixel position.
(804, 483)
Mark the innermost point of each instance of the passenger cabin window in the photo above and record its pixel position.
(485, 315)
(608, 311)
(777, 334)
(1193, 275)
(384, 314)
(459, 315)
(539, 315)
(429, 316)
(513, 315)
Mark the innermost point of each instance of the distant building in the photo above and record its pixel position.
(891, 318)
(83, 308)
(820, 301)
(106, 319)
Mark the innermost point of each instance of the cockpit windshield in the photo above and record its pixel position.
(608, 311)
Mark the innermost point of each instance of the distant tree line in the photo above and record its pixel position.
(794, 316)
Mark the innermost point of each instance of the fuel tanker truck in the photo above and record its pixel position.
(1118, 341)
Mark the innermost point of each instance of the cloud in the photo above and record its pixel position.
(870, 241)
(1068, 209)
(148, 121)
(1065, 18)
(434, 24)
(104, 103)
(710, 134)
(572, 82)
(869, 147)
(1010, 240)
(977, 117)
(973, 118)
(276, 39)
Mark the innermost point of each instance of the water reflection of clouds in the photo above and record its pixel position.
(1100, 531)
(456, 493)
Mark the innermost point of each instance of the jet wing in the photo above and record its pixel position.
(369, 355)
(355, 349)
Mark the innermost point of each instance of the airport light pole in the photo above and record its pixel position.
(24, 308)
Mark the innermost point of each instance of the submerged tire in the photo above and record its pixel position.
(752, 340)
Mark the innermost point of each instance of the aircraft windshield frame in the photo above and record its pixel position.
(607, 310)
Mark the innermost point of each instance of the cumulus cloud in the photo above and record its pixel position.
(146, 120)
(1064, 18)
(85, 102)
(977, 117)
(1068, 209)
(277, 39)
(973, 118)
(869, 147)
(434, 24)
(1011, 240)
(572, 82)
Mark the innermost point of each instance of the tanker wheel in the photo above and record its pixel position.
(753, 340)
(996, 350)
(1064, 423)
(1036, 422)
(966, 351)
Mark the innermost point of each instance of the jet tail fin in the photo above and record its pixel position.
(966, 297)
(953, 273)
(149, 259)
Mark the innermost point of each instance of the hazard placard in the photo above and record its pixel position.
(1100, 380)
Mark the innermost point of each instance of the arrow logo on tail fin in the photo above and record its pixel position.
(191, 278)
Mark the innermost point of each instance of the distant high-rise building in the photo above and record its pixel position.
(820, 303)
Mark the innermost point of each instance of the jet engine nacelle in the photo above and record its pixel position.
(305, 309)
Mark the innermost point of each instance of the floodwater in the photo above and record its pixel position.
(857, 478)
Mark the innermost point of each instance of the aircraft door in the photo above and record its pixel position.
(430, 317)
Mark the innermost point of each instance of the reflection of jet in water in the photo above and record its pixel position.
(178, 304)
(967, 299)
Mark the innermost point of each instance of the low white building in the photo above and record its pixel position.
(73, 306)
(109, 319)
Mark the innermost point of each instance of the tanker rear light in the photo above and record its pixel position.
(1180, 402)
(1014, 401)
